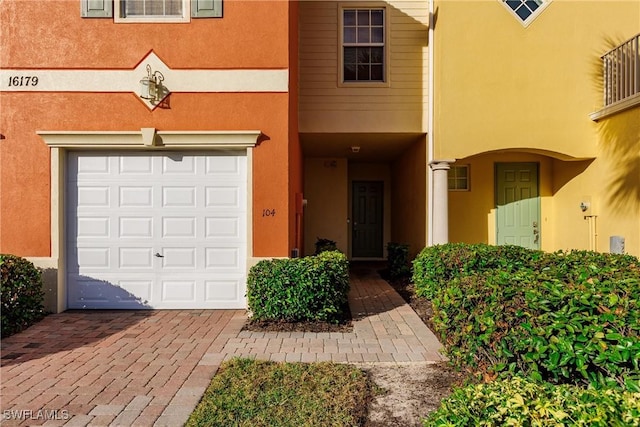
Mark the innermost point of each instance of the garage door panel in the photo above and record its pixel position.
(178, 164)
(224, 166)
(136, 258)
(181, 258)
(177, 290)
(226, 197)
(94, 258)
(183, 197)
(139, 165)
(225, 228)
(108, 292)
(179, 227)
(223, 289)
(89, 165)
(221, 258)
(94, 196)
(135, 227)
(136, 197)
(92, 227)
(156, 230)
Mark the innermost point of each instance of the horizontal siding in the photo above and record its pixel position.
(319, 88)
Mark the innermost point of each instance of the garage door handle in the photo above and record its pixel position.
(157, 254)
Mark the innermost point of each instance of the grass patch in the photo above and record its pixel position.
(247, 392)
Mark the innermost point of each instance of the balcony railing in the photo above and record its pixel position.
(622, 71)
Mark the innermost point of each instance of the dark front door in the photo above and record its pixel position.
(367, 223)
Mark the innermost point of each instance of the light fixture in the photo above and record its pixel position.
(355, 149)
(151, 87)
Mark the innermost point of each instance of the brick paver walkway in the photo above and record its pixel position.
(145, 368)
(119, 368)
(385, 330)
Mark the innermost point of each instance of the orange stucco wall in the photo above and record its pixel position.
(51, 35)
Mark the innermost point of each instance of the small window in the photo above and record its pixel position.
(363, 45)
(153, 10)
(525, 10)
(459, 178)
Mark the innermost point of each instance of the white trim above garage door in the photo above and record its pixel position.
(162, 229)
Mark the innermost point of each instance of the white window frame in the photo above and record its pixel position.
(453, 171)
(118, 13)
(525, 23)
(385, 45)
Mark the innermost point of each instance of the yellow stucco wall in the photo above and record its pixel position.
(509, 93)
(500, 85)
(472, 213)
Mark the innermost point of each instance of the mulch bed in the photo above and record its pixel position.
(344, 324)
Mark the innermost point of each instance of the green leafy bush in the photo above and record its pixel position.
(569, 317)
(436, 265)
(521, 402)
(398, 260)
(21, 294)
(309, 288)
(325, 245)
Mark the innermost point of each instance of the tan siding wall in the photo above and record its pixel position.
(327, 107)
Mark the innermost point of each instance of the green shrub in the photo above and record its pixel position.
(398, 260)
(21, 294)
(569, 317)
(521, 402)
(310, 288)
(436, 265)
(325, 245)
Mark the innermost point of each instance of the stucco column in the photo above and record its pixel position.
(440, 230)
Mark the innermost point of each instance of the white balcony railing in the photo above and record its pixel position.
(622, 71)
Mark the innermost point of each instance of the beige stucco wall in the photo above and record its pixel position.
(409, 197)
(326, 193)
(327, 105)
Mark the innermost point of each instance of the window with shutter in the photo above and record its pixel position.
(151, 10)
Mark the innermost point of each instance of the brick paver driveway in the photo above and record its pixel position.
(119, 368)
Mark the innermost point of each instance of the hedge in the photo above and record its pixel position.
(566, 317)
(299, 289)
(21, 294)
(522, 402)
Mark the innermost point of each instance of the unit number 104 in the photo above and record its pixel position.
(23, 80)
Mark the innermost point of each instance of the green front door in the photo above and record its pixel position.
(517, 205)
(367, 226)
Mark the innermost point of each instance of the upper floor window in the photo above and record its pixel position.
(363, 45)
(153, 10)
(526, 10)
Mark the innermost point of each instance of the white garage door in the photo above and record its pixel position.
(161, 230)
